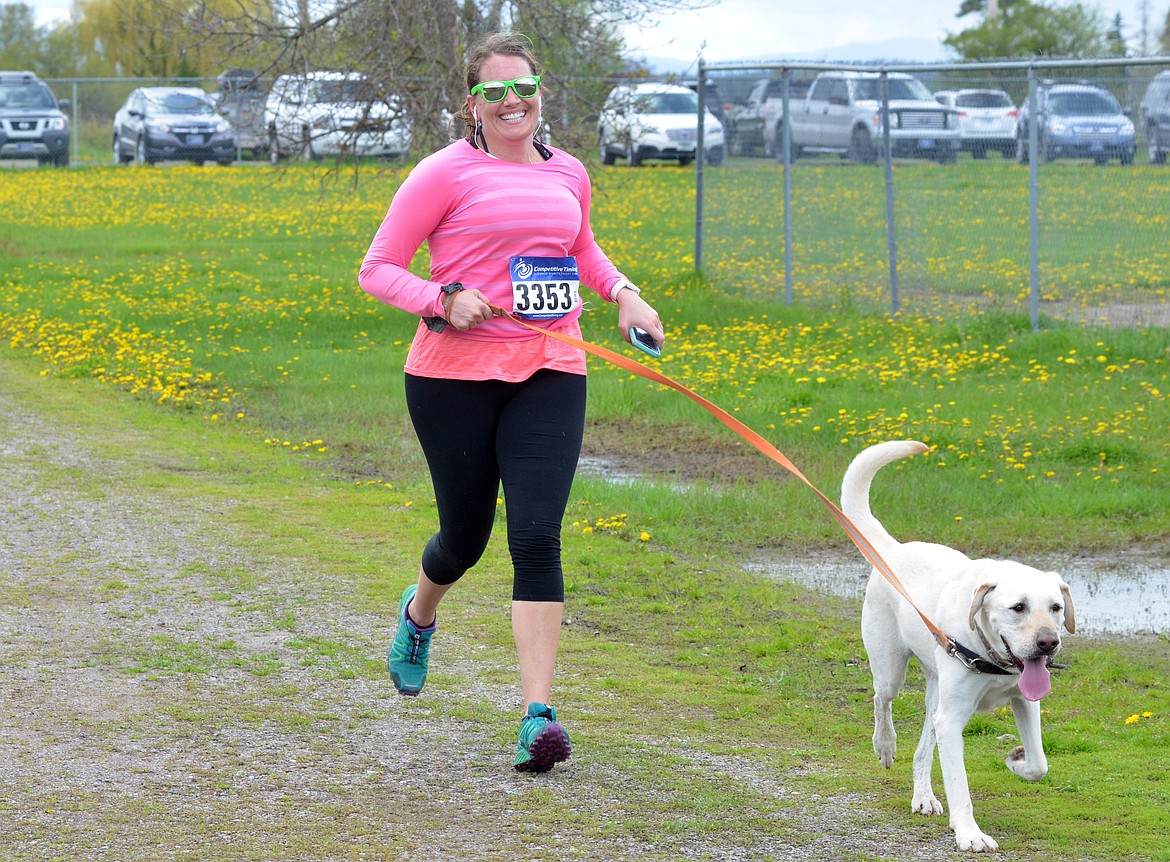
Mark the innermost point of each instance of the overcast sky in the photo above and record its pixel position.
(749, 29)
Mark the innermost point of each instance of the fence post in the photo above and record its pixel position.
(1033, 203)
(786, 159)
(699, 157)
(76, 113)
(891, 230)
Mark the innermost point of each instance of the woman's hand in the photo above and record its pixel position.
(468, 309)
(635, 311)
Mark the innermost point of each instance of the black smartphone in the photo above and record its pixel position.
(641, 339)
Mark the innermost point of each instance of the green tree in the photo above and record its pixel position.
(162, 38)
(1115, 38)
(20, 37)
(1028, 29)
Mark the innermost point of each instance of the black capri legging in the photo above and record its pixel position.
(477, 433)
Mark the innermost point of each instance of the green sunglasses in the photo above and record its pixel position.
(525, 87)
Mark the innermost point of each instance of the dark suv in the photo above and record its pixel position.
(1077, 121)
(32, 125)
(1155, 118)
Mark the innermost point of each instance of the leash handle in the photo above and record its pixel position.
(759, 442)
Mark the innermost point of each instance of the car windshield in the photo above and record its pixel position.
(869, 89)
(669, 103)
(26, 96)
(180, 103)
(1083, 104)
(983, 100)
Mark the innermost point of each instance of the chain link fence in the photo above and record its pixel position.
(988, 210)
(570, 113)
(1038, 187)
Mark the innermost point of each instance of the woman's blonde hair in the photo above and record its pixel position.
(503, 44)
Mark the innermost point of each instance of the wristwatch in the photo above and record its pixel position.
(626, 285)
(438, 324)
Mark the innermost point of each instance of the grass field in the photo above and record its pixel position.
(228, 299)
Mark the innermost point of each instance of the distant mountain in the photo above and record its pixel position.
(911, 49)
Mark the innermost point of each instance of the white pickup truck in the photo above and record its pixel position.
(842, 114)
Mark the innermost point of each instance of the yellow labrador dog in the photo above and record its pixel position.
(1007, 619)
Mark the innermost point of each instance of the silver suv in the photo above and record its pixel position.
(1077, 121)
(333, 114)
(32, 122)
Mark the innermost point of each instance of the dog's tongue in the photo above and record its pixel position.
(1035, 681)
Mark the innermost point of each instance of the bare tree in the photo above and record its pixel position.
(414, 49)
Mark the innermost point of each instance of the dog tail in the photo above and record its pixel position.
(855, 485)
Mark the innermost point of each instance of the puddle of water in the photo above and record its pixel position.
(1119, 597)
(1113, 595)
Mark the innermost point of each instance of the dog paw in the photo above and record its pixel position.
(885, 746)
(975, 841)
(927, 804)
(1018, 763)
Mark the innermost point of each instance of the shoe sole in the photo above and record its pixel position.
(549, 748)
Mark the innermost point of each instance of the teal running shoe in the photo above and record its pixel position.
(410, 650)
(543, 742)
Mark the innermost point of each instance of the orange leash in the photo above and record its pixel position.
(758, 441)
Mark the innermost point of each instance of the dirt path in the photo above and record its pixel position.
(164, 695)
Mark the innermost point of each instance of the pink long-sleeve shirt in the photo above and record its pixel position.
(475, 213)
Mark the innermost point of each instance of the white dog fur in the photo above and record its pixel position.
(1009, 613)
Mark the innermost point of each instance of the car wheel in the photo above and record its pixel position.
(861, 148)
(117, 152)
(1127, 158)
(633, 160)
(62, 161)
(1157, 155)
(979, 153)
(1047, 152)
(607, 158)
(736, 145)
(140, 154)
(1021, 151)
(716, 157)
(683, 161)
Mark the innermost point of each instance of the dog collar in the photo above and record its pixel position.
(975, 662)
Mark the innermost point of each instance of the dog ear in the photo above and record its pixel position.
(1070, 618)
(977, 602)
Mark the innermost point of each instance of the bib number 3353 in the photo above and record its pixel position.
(544, 287)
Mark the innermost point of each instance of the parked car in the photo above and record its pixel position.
(240, 101)
(987, 120)
(32, 122)
(1154, 115)
(333, 114)
(656, 121)
(158, 124)
(1077, 121)
(842, 114)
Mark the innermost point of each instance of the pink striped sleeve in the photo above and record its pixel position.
(419, 205)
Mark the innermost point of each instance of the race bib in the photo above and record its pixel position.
(544, 287)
